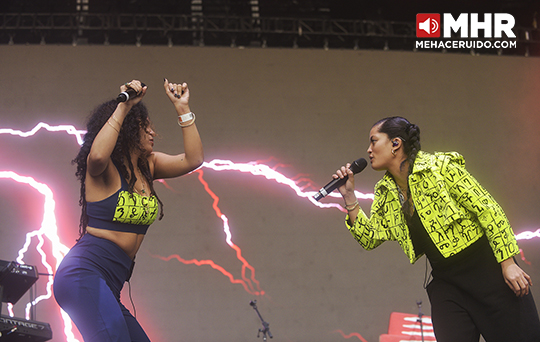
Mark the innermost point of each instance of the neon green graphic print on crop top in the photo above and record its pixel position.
(123, 211)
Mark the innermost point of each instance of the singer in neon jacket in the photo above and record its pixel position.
(453, 207)
(431, 205)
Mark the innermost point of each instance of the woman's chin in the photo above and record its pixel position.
(376, 168)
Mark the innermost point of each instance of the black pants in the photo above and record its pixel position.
(471, 298)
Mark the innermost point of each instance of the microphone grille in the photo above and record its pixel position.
(358, 165)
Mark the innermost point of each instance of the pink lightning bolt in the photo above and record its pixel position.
(351, 335)
(255, 169)
(227, 230)
(245, 282)
(269, 173)
(528, 235)
(50, 231)
(67, 128)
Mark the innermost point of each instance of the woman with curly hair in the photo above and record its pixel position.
(431, 205)
(116, 166)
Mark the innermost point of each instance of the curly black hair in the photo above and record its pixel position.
(129, 139)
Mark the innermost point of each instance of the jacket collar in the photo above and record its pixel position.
(423, 162)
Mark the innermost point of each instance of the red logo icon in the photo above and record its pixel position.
(428, 25)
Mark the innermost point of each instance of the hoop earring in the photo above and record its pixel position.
(394, 152)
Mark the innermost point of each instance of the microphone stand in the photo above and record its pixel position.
(420, 315)
(266, 326)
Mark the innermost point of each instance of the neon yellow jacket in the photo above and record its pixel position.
(453, 207)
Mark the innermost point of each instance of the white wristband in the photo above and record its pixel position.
(186, 117)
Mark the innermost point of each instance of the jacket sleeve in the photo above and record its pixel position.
(364, 232)
(381, 226)
(469, 194)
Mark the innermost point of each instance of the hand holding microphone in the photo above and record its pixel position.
(130, 90)
(356, 167)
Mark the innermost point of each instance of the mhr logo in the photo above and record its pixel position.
(428, 25)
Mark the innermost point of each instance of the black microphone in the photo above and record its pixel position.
(128, 94)
(356, 166)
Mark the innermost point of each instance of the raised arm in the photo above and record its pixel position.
(103, 145)
(168, 166)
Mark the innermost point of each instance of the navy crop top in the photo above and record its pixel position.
(123, 211)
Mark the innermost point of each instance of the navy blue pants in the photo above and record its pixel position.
(87, 286)
(471, 299)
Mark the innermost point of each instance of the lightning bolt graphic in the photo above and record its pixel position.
(256, 169)
(49, 230)
(527, 235)
(246, 282)
(67, 128)
(269, 173)
(351, 335)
